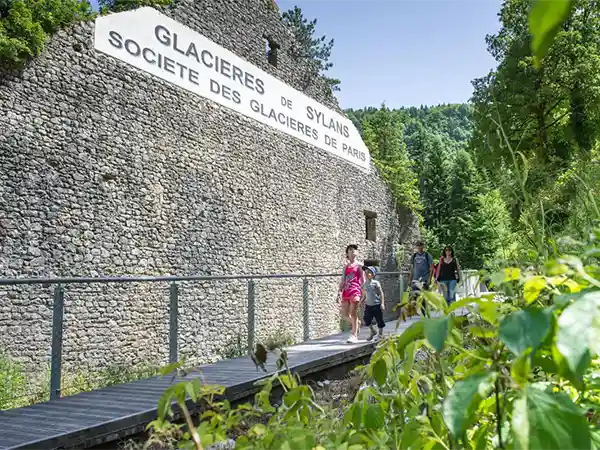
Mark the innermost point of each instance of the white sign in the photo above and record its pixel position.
(163, 47)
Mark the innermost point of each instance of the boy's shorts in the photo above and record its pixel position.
(374, 312)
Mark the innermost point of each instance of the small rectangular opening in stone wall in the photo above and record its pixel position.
(271, 48)
(370, 226)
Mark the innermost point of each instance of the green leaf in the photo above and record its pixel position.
(292, 397)
(462, 303)
(164, 371)
(463, 399)
(520, 368)
(578, 335)
(380, 371)
(545, 19)
(374, 417)
(563, 369)
(506, 275)
(548, 420)
(412, 333)
(482, 332)
(489, 311)
(596, 439)
(532, 288)
(481, 437)
(193, 389)
(164, 405)
(545, 363)
(409, 357)
(524, 329)
(554, 268)
(436, 332)
(436, 300)
(357, 415)
(258, 430)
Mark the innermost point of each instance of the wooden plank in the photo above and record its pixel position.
(79, 418)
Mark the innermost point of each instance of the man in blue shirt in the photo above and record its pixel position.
(421, 268)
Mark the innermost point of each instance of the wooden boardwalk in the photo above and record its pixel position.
(104, 415)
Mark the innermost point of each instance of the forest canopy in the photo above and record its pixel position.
(519, 164)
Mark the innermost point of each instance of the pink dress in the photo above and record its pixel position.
(352, 283)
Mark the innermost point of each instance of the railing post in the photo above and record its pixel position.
(251, 314)
(305, 310)
(173, 316)
(57, 341)
(401, 286)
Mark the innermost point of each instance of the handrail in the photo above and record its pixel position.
(167, 278)
(174, 278)
(58, 305)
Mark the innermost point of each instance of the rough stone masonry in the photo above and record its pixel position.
(106, 170)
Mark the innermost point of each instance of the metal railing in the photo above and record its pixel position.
(58, 306)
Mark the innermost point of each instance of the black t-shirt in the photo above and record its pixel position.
(448, 271)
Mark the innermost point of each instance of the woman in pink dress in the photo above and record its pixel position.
(351, 289)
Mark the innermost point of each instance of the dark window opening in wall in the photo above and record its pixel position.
(271, 48)
(370, 226)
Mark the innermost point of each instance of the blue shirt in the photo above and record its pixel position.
(421, 267)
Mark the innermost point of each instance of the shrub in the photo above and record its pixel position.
(13, 383)
(278, 339)
(26, 25)
(127, 5)
(18, 388)
(504, 376)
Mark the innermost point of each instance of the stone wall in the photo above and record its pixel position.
(107, 170)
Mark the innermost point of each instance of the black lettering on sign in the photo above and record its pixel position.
(149, 60)
(238, 75)
(260, 86)
(193, 76)
(115, 40)
(175, 47)
(132, 47)
(163, 35)
(330, 123)
(330, 141)
(225, 68)
(192, 52)
(168, 65)
(182, 70)
(249, 81)
(287, 103)
(204, 55)
(225, 91)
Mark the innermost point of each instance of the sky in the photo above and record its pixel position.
(404, 52)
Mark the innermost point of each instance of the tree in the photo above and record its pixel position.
(549, 114)
(316, 51)
(4, 8)
(382, 133)
(486, 237)
(25, 25)
(127, 5)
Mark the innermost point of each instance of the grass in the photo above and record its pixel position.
(17, 389)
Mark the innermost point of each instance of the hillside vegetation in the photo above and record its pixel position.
(501, 178)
